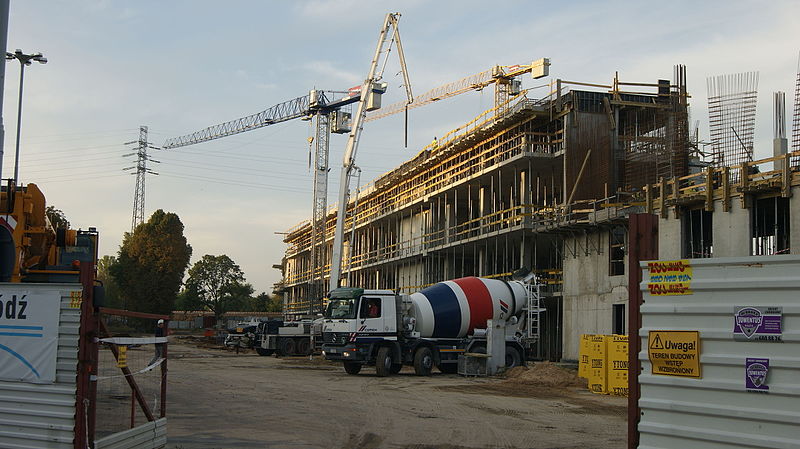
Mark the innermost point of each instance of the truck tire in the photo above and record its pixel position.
(383, 362)
(513, 357)
(396, 367)
(286, 347)
(423, 361)
(264, 352)
(303, 346)
(352, 368)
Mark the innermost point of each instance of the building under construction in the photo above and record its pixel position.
(546, 184)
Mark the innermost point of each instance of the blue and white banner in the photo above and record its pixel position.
(29, 322)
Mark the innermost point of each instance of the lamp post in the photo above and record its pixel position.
(23, 61)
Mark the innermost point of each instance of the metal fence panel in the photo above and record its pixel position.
(147, 436)
(722, 408)
(43, 415)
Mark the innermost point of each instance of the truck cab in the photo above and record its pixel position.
(356, 321)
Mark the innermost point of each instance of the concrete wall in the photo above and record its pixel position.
(589, 292)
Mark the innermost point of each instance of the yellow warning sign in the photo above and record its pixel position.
(670, 277)
(674, 353)
(122, 357)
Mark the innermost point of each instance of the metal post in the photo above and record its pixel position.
(19, 123)
(642, 245)
(4, 7)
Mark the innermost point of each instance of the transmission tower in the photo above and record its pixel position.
(141, 171)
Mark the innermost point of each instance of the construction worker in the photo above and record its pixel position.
(160, 332)
(435, 144)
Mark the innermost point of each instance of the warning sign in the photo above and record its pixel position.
(670, 277)
(674, 353)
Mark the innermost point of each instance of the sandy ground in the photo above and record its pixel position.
(218, 399)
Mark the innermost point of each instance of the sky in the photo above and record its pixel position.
(180, 66)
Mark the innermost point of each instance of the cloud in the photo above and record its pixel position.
(329, 70)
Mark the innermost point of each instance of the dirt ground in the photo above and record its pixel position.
(219, 399)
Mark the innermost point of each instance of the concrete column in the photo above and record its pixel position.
(731, 231)
(670, 238)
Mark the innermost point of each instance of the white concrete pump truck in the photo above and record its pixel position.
(430, 327)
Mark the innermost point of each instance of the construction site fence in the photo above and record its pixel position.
(604, 363)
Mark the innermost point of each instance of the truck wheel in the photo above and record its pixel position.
(383, 362)
(423, 361)
(287, 347)
(303, 346)
(264, 352)
(396, 367)
(352, 367)
(513, 357)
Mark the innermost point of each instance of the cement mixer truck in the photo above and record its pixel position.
(428, 328)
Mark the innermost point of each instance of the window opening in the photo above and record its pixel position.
(616, 251)
(698, 236)
(618, 319)
(770, 229)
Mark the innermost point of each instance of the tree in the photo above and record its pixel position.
(57, 218)
(151, 263)
(219, 283)
(266, 303)
(189, 299)
(110, 286)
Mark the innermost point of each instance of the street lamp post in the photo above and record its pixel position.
(23, 61)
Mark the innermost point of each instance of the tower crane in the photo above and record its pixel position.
(326, 108)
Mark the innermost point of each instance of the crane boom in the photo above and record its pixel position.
(476, 81)
(348, 163)
(316, 100)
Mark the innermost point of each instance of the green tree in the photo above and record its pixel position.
(57, 218)
(151, 263)
(219, 283)
(263, 303)
(188, 299)
(110, 286)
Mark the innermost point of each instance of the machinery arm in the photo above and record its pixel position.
(281, 112)
(388, 32)
(316, 100)
(473, 82)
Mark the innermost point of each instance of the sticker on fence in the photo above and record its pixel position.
(755, 378)
(674, 353)
(671, 277)
(29, 334)
(752, 323)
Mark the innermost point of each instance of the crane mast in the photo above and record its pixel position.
(367, 102)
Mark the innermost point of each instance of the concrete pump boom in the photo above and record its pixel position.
(367, 102)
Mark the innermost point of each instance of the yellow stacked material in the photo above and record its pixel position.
(598, 374)
(583, 355)
(617, 364)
